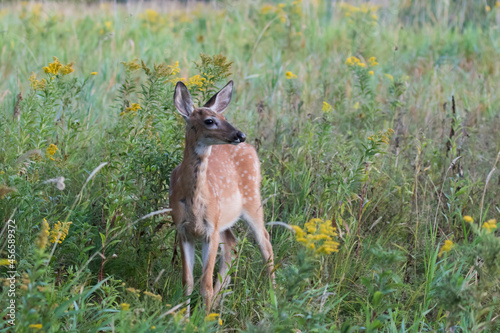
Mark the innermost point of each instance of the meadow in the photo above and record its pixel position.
(379, 119)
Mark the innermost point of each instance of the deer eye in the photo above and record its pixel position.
(209, 122)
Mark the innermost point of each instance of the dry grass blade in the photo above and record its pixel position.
(17, 110)
(172, 310)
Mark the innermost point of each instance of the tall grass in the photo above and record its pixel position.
(399, 152)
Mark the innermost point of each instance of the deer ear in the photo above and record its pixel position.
(182, 100)
(220, 101)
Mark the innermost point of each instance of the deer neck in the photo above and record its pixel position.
(196, 163)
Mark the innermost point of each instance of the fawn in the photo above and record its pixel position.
(217, 183)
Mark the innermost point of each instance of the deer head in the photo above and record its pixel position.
(207, 124)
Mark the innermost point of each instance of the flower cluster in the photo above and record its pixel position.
(282, 10)
(51, 150)
(57, 67)
(41, 242)
(37, 84)
(317, 235)
(151, 16)
(212, 317)
(174, 69)
(131, 66)
(382, 136)
(468, 219)
(327, 108)
(196, 80)
(366, 12)
(289, 75)
(448, 245)
(59, 231)
(131, 110)
(154, 296)
(133, 291)
(354, 61)
(490, 225)
(57, 234)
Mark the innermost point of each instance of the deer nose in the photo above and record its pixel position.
(240, 136)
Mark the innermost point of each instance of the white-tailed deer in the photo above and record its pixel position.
(217, 183)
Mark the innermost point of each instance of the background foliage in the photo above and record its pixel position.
(379, 117)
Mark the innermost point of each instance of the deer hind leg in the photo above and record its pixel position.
(254, 217)
(227, 245)
(209, 255)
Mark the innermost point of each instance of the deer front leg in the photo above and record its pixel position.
(209, 254)
(187, 255)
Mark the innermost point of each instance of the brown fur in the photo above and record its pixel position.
(215, 185)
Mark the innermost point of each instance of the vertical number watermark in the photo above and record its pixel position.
(11, 273)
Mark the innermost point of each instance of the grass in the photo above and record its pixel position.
(394, 154)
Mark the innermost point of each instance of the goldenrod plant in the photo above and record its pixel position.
(376, 126)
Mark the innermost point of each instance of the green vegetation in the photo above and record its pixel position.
(381, 119)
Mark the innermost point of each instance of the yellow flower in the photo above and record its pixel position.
(133, 291)
(220, 322)
(153, 327)
(151, 16)
(66, 69)
(448, 245)
(57, 67)
(490, 225)
(488, 8)
(352, 61)
(327, 107)
(318, 236)
(131, 66)
(373, 61)
(59, 232)
(36, 326)
(468, 219)
(211, 317)
(135, 107)
(37, 84)
(174, 68)
(389, 76)
(51, 149)
(356, 106)
(267, 8)
(107, 24)
(361, 64)
(310, 226)
(44, 235)
(370, 73)
(196, 80)
(132, 110)
(150, 294)
(93, 73)
(53, 67)
(125, 306)
(289, 75)
(497, 4)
